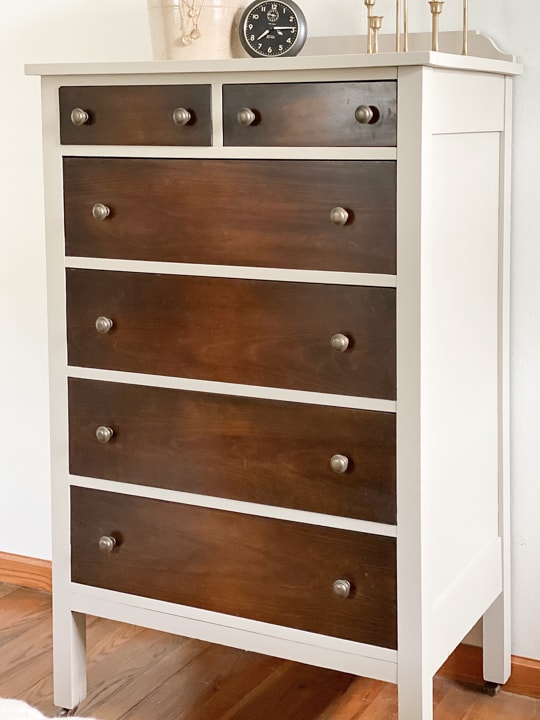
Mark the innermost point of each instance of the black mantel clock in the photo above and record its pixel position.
(273, 29)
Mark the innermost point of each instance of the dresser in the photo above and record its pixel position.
(278, 327)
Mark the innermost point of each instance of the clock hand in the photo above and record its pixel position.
(283, 27)
(263, 35)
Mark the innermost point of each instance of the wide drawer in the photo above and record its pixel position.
(272, 213)
(262, 451)
(136, 115)
(253, 332)
(311, 114)
(263, 569)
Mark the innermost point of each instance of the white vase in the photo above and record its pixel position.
(170, 29)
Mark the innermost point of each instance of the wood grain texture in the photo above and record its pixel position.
(131, 669)
(263, 451)
(270, 213)
(253, 332)
(237, 564)
(136, 115)
(310, 114)
(465, 665)
(25, 571)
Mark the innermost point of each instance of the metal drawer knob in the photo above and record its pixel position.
(342, 588)
(245, 117)
(339, 463)
(339, 216)
(100, 211)
(106, 544)
(104, 324)
(104, 434)
(364, 114)
(79, 116)
(181, 116)
(339, 342)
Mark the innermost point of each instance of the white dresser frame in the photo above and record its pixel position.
(453, 266)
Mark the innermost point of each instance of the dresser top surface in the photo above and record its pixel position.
(331, 53)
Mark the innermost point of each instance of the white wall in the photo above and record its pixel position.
(73, 30)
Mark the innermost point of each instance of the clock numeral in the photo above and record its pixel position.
(255, 16)
(291, 19)
(250, 26)
(252, 38)
(259, 46)
(280, 48)
(289, 40)
(269, 51)
(274, 6)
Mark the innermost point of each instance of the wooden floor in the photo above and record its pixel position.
(138, 674)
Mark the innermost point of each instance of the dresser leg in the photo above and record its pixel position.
(497, 653)
(69, 657)
(415, 697)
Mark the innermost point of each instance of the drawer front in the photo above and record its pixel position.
(311, 114)
(272, 213)
(252, 332)
(136, 115)
(238, 564)
(261, 451)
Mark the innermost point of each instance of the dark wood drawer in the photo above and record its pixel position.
(272, 213)
(262, 451)
(311, 114)
(264, 569)
(253, 332)
(136, 115)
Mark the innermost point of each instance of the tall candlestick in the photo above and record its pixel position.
(436, 7)
(398, 24)
(465, 27)
(369, 4)
(405, 27)
(375, 22)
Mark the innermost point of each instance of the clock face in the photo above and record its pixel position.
(271, 29)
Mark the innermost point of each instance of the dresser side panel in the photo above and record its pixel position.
(460, 267)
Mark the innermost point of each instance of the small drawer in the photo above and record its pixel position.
(323, 580)
(336, 461)
(135, 115)
(333, 114)
(321, 215)
(323, 338)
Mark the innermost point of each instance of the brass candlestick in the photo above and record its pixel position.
(398, 24)
(405, 26)
(436, 7)
(465, 50)
(375, 23)
(369, 5)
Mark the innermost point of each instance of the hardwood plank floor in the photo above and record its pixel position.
(140, 674)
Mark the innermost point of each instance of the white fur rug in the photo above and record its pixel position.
(19, 710)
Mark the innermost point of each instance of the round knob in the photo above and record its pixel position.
(104, 324)
(339, 216)
(245, 117)
(339, 463)
(339, 342)
(79, 116)
(106, 544)
(364, 114)
(100, 211)
(104, 434)
(181, 116)
(342, 588)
